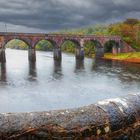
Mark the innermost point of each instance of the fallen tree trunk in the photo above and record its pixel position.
(115, 118)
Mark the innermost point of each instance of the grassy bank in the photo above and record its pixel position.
(129, 57)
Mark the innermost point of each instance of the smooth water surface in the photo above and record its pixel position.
(49, 85)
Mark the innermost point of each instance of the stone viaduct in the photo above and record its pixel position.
(31, 39)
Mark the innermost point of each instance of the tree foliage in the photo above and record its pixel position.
(44, 45)
(68, 46)
(17, 44)
(129, 30)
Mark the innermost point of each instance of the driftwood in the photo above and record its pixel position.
(112, 119)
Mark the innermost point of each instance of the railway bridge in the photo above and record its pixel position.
(31, 39)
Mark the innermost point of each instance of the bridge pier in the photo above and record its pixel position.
(115, 50)
(3, 72)
(32, 55)
(79, 53)
(57, 55)
(2, 55)
(99, 52)
(119, 50)
(79, 64)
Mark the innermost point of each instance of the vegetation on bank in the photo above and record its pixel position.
(129, 57)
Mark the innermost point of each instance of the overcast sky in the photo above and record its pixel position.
(52, 15)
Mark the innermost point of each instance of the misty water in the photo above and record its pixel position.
(51, 85)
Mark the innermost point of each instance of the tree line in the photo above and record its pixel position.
(129, 30)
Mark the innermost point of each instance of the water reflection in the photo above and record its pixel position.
(94, 65)
(125, 71)
(131, 67)
(79, 65)
(3, 72)
(32, 71)
(57, 69)
(49, 85)
(128, 72)
(97, 64)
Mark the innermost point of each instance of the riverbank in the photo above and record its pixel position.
(133, 57)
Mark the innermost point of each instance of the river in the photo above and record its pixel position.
(49, 85)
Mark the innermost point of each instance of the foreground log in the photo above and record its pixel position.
(114, 119)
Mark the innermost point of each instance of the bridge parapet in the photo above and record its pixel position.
(55, 37)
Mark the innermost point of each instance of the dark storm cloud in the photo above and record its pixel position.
(61, 14)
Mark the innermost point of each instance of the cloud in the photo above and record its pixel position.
(52, 15)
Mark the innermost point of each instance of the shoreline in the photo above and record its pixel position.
(132, 57)
(130, 60)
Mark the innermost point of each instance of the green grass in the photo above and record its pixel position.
(122, 56)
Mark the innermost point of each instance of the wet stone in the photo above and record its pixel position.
(137, 134)
(108, 118)
(134, 100)
(123, 137)
(126, 110)
(116, 119)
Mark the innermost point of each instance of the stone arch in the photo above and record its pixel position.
(75, 42)
(73, 45)
(16, 39)
(99, 50)
(25, 40)
(5, 42)
(96, 42)
(112, 46)
(76, 48)
(52, 42)
(56, 49)
(89, 48)
(47, 43)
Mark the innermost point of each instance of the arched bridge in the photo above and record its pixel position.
(31, 39)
